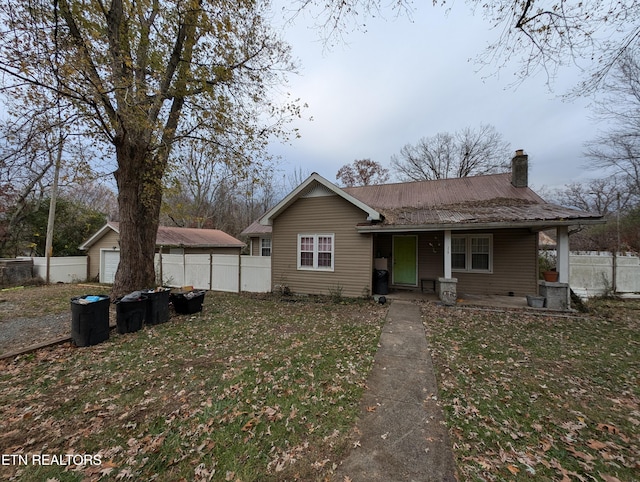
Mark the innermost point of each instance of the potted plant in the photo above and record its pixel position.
(547, 266)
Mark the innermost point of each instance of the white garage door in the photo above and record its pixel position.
(109, 265)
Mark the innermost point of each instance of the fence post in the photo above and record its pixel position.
(210, 271)
(239, 271)
(614, 272)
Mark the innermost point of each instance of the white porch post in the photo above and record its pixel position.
(447, 286)
(562, 234)
(447, 254)
(558, 294)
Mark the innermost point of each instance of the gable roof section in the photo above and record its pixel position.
(256, 229)
(110, 226)
(464, 203)
(315, 181)
(170, 236)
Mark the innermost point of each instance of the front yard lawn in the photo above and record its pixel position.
(253, 388)
(540, 397)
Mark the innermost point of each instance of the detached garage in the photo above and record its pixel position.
(103, 248)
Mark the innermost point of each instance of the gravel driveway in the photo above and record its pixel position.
(23, 332)
(38, 314)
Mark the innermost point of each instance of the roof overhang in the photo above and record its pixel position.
(269, 216)
(535, 226)
(98, 234)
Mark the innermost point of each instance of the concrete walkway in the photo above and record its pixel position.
(402, 436)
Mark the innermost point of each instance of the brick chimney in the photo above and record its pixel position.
(520, 169)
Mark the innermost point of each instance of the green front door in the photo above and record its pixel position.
(405, 267)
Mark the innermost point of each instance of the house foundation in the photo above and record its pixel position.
(447, 290)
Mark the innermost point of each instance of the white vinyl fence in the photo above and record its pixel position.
(216, 272)
(598, 273)
(68, 269)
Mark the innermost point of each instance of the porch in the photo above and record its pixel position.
(494, 267)
(487, 301)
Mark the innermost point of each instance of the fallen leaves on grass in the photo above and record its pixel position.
(249, 389)
(534, 396)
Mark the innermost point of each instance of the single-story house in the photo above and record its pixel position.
(103, 248)
(473, 235)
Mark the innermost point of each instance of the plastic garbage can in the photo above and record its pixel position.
(381, 281)
(130, 312)
(89, 319)
(157, 306)
(188, 303)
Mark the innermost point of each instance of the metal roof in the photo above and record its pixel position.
(422, 194)
(179, 237)
(255, 228)
(196, 238)
(479, 201)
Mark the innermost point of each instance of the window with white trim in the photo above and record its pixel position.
(316, 251)
(265, 246)
(472, 252)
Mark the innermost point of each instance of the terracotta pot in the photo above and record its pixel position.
(551, 276)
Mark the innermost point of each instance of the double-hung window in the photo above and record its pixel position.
(316, 251)
(472, 252)
(265, 246)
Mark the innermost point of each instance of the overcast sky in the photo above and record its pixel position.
(405, 79)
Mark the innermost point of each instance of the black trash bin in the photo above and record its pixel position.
(89, 319)
(381, 282)
(187, 303)
(157, 306)
(130, 312)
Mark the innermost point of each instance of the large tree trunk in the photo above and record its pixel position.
(139, 179)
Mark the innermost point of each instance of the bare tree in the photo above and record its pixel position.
(602, 196)
(468, 152)
(362, 172)
(95, 195)
(617, 149)
(204, 191)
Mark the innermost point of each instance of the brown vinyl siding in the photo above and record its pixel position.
(254, 248)
(515, 261)
(515, 266)
(353, 257)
